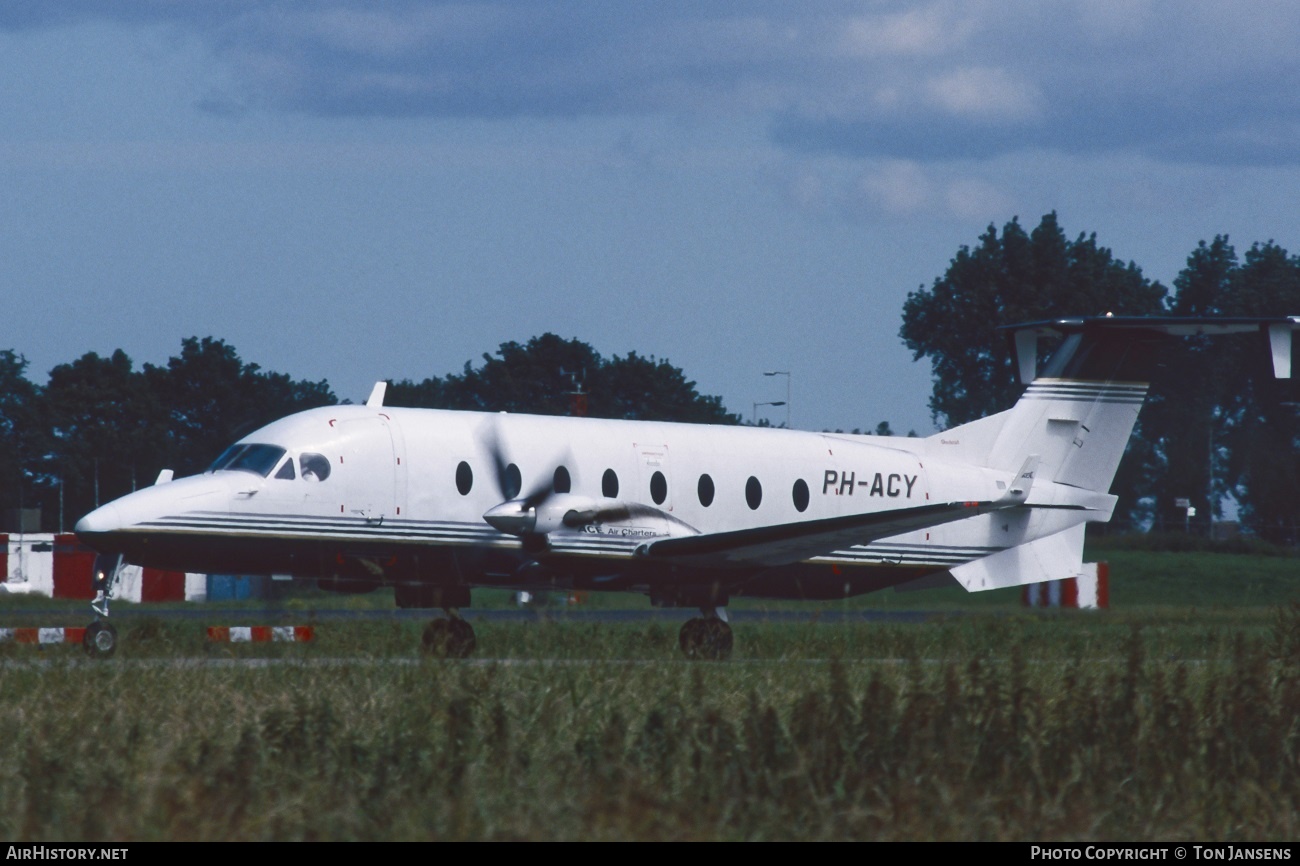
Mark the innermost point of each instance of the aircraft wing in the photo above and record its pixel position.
(785, 543)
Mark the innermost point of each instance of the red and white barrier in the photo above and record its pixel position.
(42, 635)
(1089, 590)
(58, 566)
(261, 633)
(232, 634)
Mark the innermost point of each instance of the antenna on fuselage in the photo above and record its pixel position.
(376, 397)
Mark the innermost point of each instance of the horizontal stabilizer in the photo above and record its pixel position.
(1054, 557)
(1277, 328)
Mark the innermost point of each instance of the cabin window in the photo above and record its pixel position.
(658, 488)
(705, 490)
(609, 484)
(562, 482)
(513, 482)
(314, 467)
(753, 493)
(286, 472)
(464, 478)
(258, 459)
(800, 495)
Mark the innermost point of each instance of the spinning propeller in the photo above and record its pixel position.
(534, 514)
(550, 505)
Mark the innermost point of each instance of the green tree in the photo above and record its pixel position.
(637, 387)
(1219, 424)
(1258, 420)
(22, 434)
(538, 377)
(1008, 278)
(1182, 418)
(544, 375)
(213, 398)
(108, 431)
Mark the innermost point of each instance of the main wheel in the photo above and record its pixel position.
(100, 640)
(449, 639)
(708, 639)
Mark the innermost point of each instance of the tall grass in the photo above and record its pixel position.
(973, 730)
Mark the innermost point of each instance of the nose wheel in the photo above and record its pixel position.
(450, 638)
(100, 640)
(708, 637)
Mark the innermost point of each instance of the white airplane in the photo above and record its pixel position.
(435, 503)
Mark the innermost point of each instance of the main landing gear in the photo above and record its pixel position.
(707, 637)
(450, 638)
(100, 640)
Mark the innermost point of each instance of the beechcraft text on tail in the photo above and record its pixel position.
(436, 503)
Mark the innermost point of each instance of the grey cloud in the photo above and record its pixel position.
(26, 14)
(1223, 131)
(539, 59)
(1186, 81)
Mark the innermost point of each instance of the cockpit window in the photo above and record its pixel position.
(315, 467)
(286, 472)
(258, 459)
(226, 456)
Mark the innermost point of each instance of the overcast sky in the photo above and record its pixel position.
(353, 190)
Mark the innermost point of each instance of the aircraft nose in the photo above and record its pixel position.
(106, 518)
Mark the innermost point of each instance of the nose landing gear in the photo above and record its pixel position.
(100, 641)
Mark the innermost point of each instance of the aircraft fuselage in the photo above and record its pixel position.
(405, 490)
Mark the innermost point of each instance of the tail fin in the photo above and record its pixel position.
(1078, 416)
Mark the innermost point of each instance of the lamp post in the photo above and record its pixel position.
(753, 417)
(786, 374)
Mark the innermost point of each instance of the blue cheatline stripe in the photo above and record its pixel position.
(415, 531)
(457, 534)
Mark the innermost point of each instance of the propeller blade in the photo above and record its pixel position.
(542, 491)
(505, 473)
(518, 515)
(547, 486)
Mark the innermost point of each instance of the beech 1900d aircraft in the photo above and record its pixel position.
(435, 503)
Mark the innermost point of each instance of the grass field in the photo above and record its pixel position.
(1171, 717)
